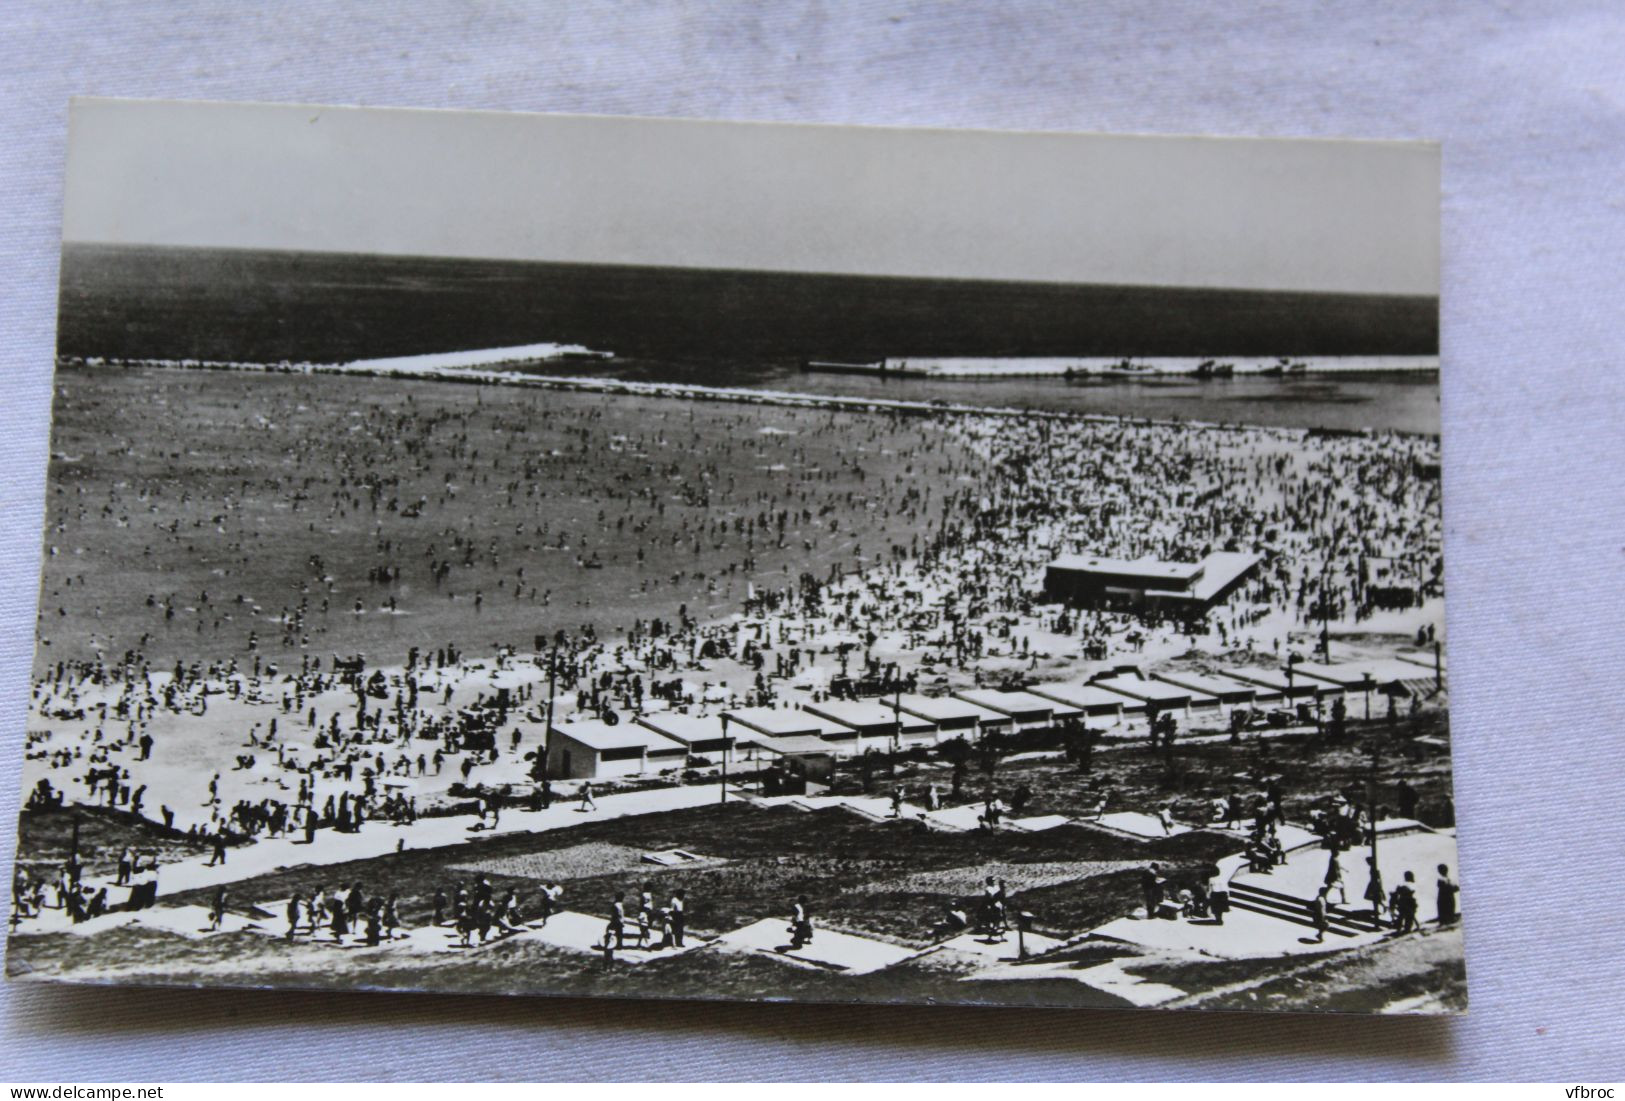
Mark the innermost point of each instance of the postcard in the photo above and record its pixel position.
(604, 556)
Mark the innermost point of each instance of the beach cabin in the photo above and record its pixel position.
(795, 722)
(1025, 710)
(591, 749)
(1225, 693)
(1360, 680)
(1332, 679)
(877, 719)
(1163, 696)
(1275, 687)
(950, 718)
(702, 734)
(1097, 704)
(1433, 661)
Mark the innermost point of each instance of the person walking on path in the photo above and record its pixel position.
(801, 926)
(617, 922)
(677, 917)
(1317, 914)
(1448, 890)
(1373, 892)
(1334, 879)
(646, 914)
(296, 909)
(1151, 882)
(551, 894)
(217, 909)
(1218, 895)
(1402, 905)
(587, 803)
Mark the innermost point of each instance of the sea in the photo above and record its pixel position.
(756, 329)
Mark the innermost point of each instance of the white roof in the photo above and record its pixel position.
(689, 729)
(940, 709)
(1150, 689)
(1086, 696)
(1221, 568)
(1212, 686)
(1013, 703)
(597, 734)
(786, 722)
(1360, 672)
(1149, 568)
(1270, 678)
(1343, 674)
(855, 713)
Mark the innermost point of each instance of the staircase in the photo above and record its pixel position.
(1340, 920)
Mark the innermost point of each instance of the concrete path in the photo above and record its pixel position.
(585, 933)
(1108, 977)
(378, 838)
(1136, 824)
(1244, 935)
(1005, 947)
(829, 950)
(1398, 851)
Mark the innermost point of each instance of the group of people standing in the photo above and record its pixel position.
(343, 913)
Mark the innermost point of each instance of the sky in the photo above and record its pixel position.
(1263, 214)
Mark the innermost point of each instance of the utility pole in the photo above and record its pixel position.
(547, 734)
(1325, 613)
(724, 717)
(1371, 801)
(897, 720)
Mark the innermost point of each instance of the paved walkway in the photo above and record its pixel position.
(1108, 977)
(961, 818)
(829, 950)
(1005, 947)
(379, 838)
(1136, 824)
(1244, 935)
(1398, 850)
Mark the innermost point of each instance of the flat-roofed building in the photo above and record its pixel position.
(590, 749)
(868, 717)
(702, 734)
(877, 718)
(1222, 691)
(797, 745)
(1088, 580)
(1093, 701)
(1155, 693)
(796, 722)
(1431, 660)
(952, 717)
(1026, 711)
(1280, 686)
(1363, 678)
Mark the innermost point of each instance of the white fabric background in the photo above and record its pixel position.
(1528, 101)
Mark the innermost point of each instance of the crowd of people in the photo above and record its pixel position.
(917, 546)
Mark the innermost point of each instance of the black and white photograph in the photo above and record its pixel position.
(597, 556)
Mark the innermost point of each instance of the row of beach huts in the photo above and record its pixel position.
(1117, 701)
